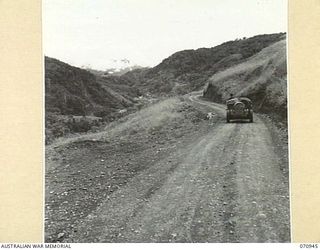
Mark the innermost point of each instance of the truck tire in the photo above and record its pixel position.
(228, 118)
(251, 117)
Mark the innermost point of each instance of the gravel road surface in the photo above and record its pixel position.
(191, 179)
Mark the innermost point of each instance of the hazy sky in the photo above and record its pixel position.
(99, 32)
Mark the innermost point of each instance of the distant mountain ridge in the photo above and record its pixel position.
(113, 71)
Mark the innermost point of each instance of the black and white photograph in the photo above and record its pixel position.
(166, 121)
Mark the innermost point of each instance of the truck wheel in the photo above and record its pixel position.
(228, 118)
(251, 118)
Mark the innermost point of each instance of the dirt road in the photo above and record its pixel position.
(208, 182)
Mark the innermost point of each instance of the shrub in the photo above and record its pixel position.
(79, 126)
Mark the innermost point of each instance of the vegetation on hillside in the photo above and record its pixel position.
(72, 91)
(188, 70)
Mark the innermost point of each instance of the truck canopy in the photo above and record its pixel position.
(245, 100)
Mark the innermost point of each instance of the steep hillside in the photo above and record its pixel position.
(188, 70)
(71, 91)
(262, 77)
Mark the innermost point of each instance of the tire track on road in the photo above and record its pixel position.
(201, 192)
